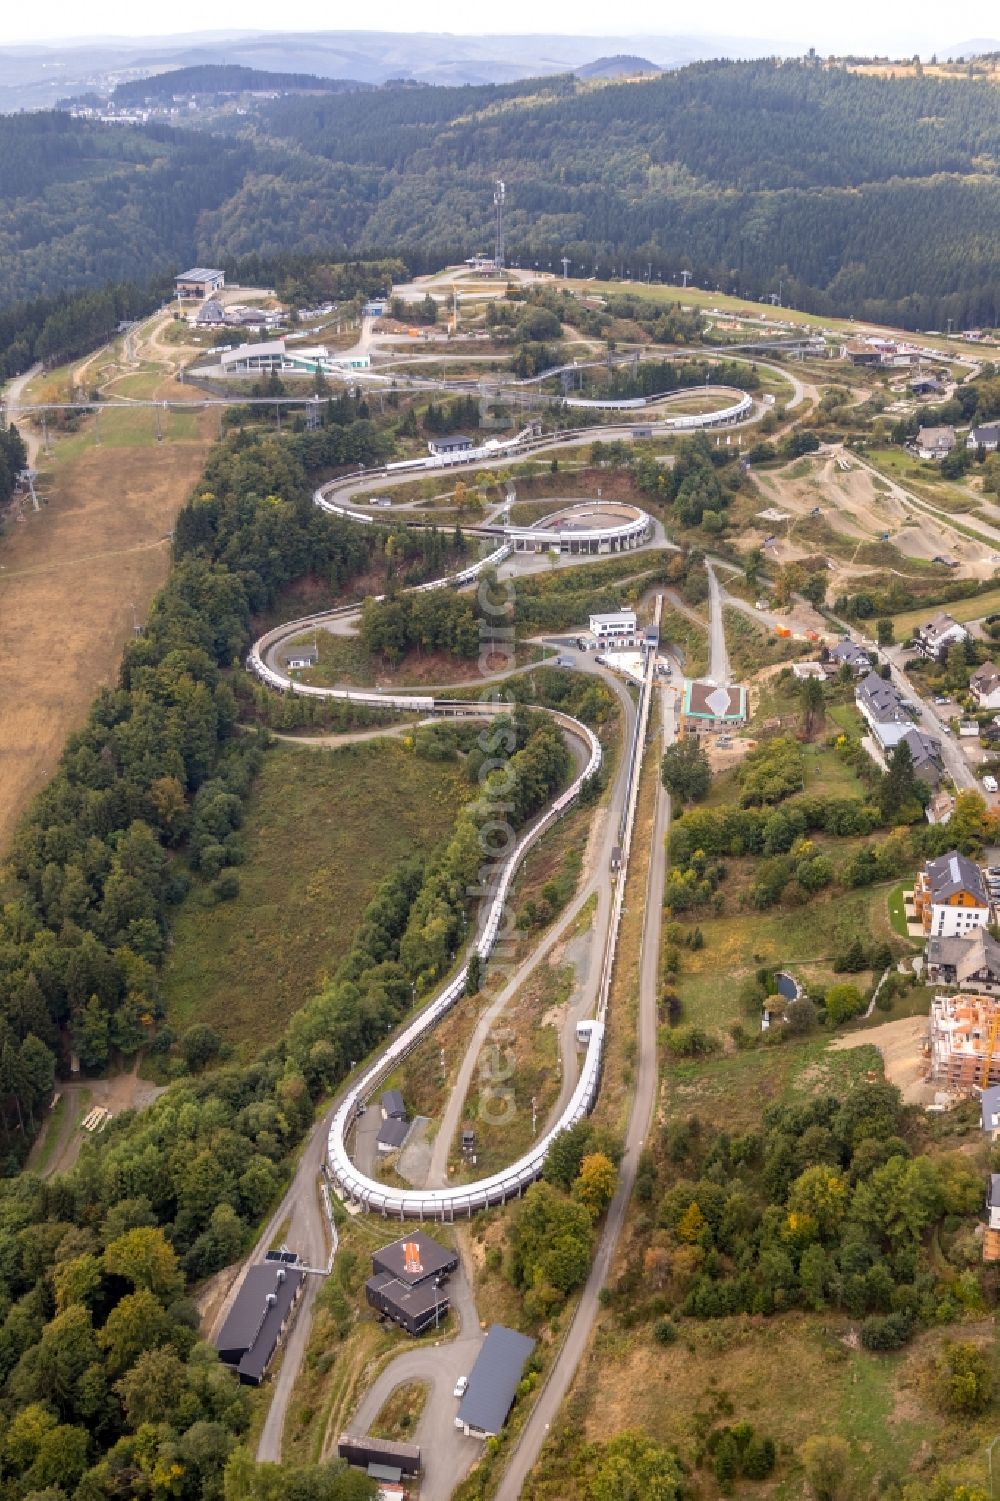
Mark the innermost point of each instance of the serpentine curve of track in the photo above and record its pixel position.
(467, 1198)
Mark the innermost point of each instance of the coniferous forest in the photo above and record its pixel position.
(872, 196)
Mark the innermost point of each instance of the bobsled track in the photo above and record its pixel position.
(466, 1198)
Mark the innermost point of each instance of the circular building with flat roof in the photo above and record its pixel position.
(584, 527)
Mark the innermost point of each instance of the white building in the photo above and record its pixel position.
(267, 355)
(984, 685)
(940, 633)
(619, 626)
(950, 896)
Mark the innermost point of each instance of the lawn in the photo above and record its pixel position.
(322, 828)
(802, 938)
(897, 913)
(973, 608)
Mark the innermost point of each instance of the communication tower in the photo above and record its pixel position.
(499, 194)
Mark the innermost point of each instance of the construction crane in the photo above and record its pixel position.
(992, 1038)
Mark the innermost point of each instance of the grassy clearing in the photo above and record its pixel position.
(974, 608)
(322, 828)
(789, 1377)
(521, 1079)
(752, 646)
(802, 938)
(400, 1413)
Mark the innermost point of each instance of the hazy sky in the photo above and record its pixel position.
(851, 25)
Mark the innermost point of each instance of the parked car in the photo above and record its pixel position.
(990, 783)
(460, 1386)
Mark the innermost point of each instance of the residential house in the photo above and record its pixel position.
(950, 896)
(940, 633)
(926, 385)
(883, 707)
(984, 685)
(934, 442)
(987, 438)
(941, 807)
(927, 757)
(970, 961)
(847, 654)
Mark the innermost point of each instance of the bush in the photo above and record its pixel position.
(226, 886)
(690, 1042)
(888, 1333)
(665, 1331)
(962, 1380)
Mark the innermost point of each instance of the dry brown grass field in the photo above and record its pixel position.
(71, 573)
(69, 578)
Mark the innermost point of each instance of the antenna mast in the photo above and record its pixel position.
(499, 194)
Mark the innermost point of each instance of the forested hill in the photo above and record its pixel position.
(225, 78)
(876, 197)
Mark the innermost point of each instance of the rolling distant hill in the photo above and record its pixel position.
(225, 78)
(35, 76)
(622, 66)
(743, 173)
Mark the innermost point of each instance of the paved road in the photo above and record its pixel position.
(718, 665)
(952, 754)
(533, 1435)
(11, 397)
(446, 1452)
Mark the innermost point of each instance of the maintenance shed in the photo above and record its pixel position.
(493, 1382)
(258, 1319)
(364, 1451)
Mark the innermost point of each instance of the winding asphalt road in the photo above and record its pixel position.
(533, 1435)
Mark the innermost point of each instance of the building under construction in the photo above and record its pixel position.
(965, 1042)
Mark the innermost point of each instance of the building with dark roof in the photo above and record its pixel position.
(407, 1281)
(969, 960)
(987, 438)
(365, 1451)
(424, 1306)
(392, 1105)
(990, 1106)
(940, 633)
(848, 654)
(392, 1134)
(449, 443)
(415, 1257)
(493, 1382)
(984, 685)
(302, 654)
(258, 1319)
(926, 755)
